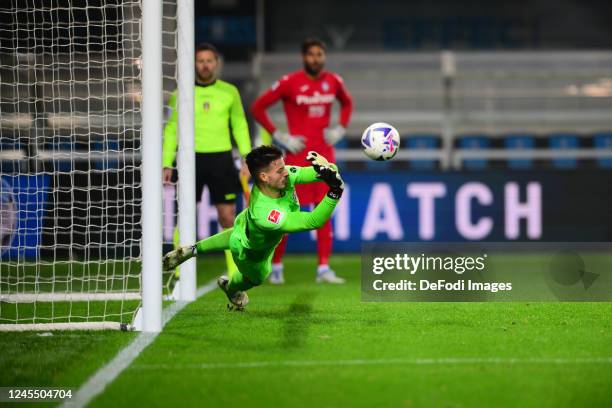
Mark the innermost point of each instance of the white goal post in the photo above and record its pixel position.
(81, 119)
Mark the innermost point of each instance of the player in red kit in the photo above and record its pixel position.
(307, 96)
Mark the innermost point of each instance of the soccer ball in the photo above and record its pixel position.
(380, 141)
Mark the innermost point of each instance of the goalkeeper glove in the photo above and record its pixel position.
(334, 134)
(333, 180)
(290, 142)
(317, 161)
(328, 173)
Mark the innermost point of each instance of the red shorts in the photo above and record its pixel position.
(311, 193)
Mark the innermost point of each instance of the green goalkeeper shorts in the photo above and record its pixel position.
(251, 264)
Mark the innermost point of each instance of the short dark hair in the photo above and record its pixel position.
(260, 157)
(312, 42)
(207, 47)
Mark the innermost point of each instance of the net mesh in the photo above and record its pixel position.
(69, 156)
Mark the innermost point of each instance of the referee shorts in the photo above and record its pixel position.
(219, 173)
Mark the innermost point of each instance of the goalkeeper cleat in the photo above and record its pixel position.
(174, 258)
(329, 276)
(222, 283)
(232, 308)
(238, 300)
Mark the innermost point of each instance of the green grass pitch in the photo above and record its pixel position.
(311, 345)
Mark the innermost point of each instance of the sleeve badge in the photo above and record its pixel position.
(275, 216)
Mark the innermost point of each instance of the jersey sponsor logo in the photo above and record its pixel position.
(275, 216)
(316, 111)
(293, 169)
(304, 88)
(325, 86)
(316, 99)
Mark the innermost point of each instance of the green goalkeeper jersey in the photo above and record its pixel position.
(260, 227)
(217, 109)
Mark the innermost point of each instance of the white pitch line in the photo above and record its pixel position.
(107, 374)
(366, 362)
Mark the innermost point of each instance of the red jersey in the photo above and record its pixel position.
(308, 105)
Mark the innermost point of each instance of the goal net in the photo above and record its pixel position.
(70, 153)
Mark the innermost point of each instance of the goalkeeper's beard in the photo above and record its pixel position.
(282, 184)
(276, 189)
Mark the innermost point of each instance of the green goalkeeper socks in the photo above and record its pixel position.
(231, 265)
(220, 242)
(217, 242)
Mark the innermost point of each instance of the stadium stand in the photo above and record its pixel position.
(603, 140)
(564, 141)
(510, 100)
(474, 142)
(488, 109)
(422, 141)
(519, 141)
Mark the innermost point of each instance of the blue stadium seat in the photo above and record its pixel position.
(564, 141)
(474, 142)
(374, 165)
(603, 140)
(422, 141)
(519, 141)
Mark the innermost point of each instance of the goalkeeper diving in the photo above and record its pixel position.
(273, 211)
